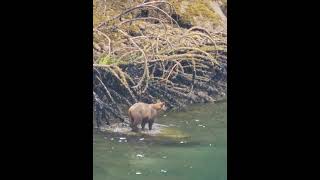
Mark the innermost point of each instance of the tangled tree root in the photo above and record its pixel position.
(157, 61)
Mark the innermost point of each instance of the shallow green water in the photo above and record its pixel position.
(203, 157)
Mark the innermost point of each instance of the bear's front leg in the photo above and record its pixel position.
(150, 124)
(143, 124)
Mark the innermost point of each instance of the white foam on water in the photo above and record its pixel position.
(140, 155)
(163, 171)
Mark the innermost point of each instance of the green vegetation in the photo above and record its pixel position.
(196, 11)
(107, 60)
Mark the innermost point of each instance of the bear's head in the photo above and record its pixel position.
(160, 106)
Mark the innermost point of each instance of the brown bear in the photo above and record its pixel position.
(142, 113)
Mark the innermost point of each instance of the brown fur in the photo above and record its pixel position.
(142, 113)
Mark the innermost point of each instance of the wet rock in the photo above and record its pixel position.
(212, 91)
(209, 99)
(202, 94)
(193, 97)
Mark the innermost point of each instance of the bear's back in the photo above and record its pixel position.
(140, 108)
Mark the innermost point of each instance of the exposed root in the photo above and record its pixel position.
(156, 61)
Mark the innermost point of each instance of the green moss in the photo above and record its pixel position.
(133, 28)
(107, 60)
(113, 8)
(201, 9)
(192, 10)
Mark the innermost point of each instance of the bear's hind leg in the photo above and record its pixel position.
(134, 126)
